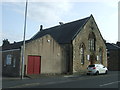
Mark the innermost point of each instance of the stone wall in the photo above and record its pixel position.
(53, 56)
(82, 37)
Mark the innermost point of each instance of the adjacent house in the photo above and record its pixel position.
(113, 51)
(11, 58)
(63, 49)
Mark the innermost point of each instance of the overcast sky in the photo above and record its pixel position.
(49, 14)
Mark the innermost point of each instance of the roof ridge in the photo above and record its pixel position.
(115, 45)
(77, 20)
(67, 23)
(62, 24)
(82, 25)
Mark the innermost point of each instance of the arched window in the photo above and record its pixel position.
(101, 55)
(82, 47)
(92, 42)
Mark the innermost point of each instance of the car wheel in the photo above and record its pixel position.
(106, 72)
(97, 73)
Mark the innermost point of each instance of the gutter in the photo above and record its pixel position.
(10, 50)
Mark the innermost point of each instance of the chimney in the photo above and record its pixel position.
(5, 42)
(41, 27)
(61, 23)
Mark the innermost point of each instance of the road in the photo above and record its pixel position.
(111, 80)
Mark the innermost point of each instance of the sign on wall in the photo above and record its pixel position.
(88, 57)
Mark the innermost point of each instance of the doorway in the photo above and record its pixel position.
(34, 65)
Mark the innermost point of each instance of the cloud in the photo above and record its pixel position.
(51, 12)
(48, 13)
(111, 3)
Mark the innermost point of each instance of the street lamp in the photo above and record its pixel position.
(23, 49)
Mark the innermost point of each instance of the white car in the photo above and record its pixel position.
(96, 69)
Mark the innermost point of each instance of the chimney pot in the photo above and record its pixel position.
(5, 42)
(41, 27)
(61, 23)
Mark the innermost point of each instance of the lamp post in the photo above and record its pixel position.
(23, 49)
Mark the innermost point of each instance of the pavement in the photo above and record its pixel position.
(16, 82)
(14, 78)
(47, 76)
(42, 76)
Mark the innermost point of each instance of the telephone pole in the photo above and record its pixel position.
(23, 49)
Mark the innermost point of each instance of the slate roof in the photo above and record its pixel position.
(111, 46)
(64, 33)
(15, 45)
(12, 46)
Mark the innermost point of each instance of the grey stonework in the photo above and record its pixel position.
(82, 37)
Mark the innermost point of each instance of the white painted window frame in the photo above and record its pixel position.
(9, 59)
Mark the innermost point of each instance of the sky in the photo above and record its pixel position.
(50, 13)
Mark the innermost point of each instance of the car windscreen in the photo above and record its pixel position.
(91, 66)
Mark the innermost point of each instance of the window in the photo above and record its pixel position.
(100, 55)
(91, 42)
(14, 61)
(91, 66)
(82, 56)
(82, 47)
(8, 59)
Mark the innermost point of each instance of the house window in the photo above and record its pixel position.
(8, 59)
(82, 47)
(92, 42)
(14, 61)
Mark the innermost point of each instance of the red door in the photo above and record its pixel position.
(37, 65)
(30, 65)
(33, 65)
